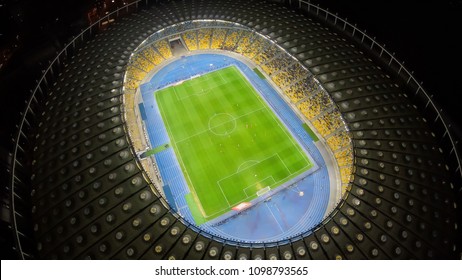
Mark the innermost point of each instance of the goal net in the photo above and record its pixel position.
(263, 191)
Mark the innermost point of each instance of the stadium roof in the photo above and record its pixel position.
(89, 198)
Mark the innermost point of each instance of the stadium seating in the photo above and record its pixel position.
(163, 48)
(232, 39)
(150, 54)
(328, 122)
(204, 36)
(256, 50)
(289, 76)
(284, 71)
(297, 90)
(218, 38)
(190, 38)
(245, 43)
(90, 199)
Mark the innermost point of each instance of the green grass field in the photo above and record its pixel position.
(228, 141)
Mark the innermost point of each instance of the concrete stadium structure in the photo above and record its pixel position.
(79, 191)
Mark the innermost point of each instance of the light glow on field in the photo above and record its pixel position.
(229, 143)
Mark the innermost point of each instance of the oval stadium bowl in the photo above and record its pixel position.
(232, 129)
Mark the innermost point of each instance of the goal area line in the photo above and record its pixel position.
(263, 197)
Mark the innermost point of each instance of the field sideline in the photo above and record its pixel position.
(229, 143)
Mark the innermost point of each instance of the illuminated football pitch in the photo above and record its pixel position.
(229, 143)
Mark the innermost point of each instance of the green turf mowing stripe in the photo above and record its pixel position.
(155, 150)
(196, 213)
(310, 132)
(219, 128)
(259, 73)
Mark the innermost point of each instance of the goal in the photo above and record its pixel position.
(263, 191)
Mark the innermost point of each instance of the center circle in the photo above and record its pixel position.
(222, 124)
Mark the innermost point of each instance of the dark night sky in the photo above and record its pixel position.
(422, 33)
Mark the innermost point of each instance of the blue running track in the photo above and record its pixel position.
(290, 212)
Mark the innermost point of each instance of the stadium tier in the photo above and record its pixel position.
(102, 150)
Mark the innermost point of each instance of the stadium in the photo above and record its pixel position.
(231, 130)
